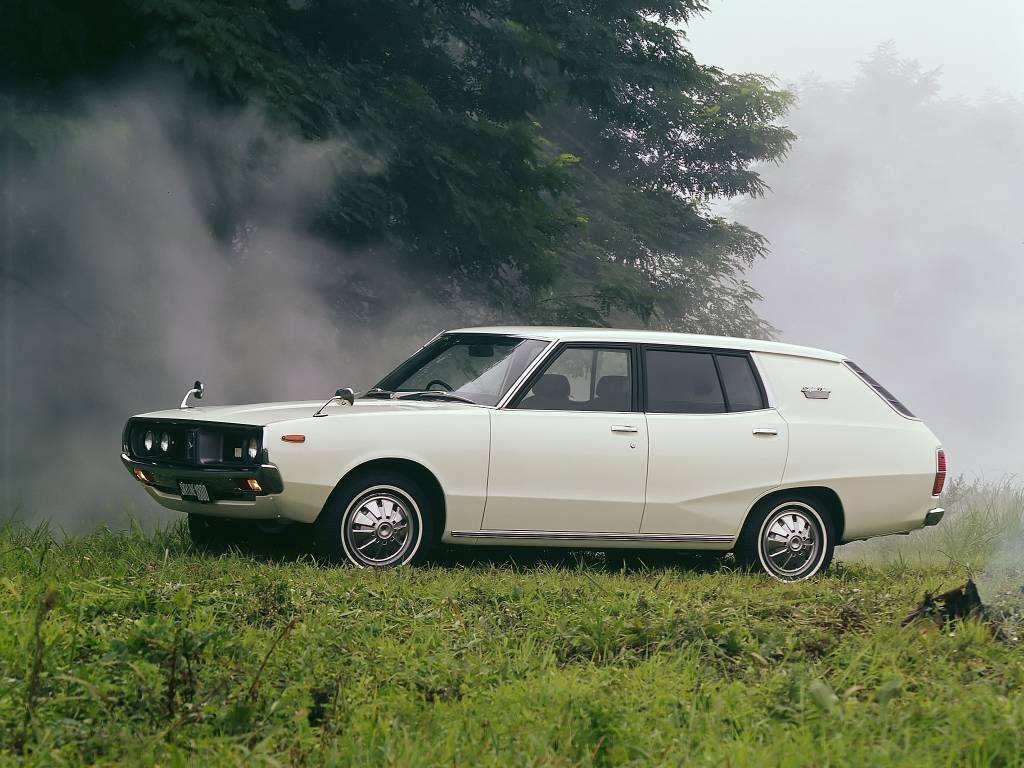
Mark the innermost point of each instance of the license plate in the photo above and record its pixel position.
(196, 491)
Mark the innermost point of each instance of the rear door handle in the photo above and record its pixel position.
(624, 428)
(769, 431)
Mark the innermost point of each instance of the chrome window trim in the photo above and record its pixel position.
(769, 395)
(539, 360)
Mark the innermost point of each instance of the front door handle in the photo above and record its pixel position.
(769, 431)
(624, 428)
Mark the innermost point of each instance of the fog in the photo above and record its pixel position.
(163, 241)
(979, 47)
(896, 238)
(895, 226)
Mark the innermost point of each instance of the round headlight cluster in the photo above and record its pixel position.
(254, 448)
(150, 441)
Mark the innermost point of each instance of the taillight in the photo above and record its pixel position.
(940, 472)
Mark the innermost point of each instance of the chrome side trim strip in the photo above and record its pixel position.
(587, 536)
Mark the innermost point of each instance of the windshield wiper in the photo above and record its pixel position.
(377, 392)
(432, 393)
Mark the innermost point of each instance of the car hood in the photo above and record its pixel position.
(261, 414)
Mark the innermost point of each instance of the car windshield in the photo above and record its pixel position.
(473, 366)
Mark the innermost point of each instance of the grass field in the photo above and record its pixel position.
(132, 648)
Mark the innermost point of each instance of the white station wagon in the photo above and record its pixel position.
(580, 437)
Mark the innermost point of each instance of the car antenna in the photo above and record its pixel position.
(345, 393)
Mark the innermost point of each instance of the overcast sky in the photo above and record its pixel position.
(978, 44)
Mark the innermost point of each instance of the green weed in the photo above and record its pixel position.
(150, 652)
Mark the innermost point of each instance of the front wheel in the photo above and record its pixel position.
(790, 539)
(377, 520)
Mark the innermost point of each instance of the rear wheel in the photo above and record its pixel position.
(789, 538)
(378, 520)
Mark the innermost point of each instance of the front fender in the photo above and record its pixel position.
(451, 443)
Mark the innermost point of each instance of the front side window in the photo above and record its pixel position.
(583, 379)
(476, 367)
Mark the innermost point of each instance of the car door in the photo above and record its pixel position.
(715, 445)
(570, 451)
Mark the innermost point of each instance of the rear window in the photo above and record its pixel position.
(884, 393)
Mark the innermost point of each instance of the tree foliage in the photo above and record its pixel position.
(557, 157)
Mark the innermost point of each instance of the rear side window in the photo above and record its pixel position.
(742, 392)
(884, 393)
(682, 382)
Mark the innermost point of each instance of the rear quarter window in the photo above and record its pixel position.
(884, 393)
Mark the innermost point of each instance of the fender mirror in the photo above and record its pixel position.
(197, 390)
(345, 393)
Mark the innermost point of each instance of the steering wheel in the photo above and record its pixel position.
(447, 387)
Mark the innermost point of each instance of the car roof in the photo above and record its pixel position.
(553, 333)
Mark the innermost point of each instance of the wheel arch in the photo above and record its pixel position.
(413, 469)
(829, 500)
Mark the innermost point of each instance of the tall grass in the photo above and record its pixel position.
(133, 648)
(983, 529)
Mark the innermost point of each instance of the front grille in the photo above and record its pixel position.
(193, 444)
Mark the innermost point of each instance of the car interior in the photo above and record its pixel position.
(551, 392)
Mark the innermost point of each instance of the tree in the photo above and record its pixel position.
(556, 159)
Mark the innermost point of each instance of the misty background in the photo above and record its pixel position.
(895, 222)
(894, 229)
(118, 291)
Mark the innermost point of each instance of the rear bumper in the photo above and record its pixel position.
(228, 496)
(934, 516)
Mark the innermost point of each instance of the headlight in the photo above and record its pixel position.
(147, 441)
(165, 442)
(254, 448)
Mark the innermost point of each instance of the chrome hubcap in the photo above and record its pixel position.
(378, 528)
(791, 541)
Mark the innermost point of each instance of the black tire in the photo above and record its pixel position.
(208, 533)
(800, 528)
(362, 523)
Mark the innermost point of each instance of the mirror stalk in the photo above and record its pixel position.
(346, 393)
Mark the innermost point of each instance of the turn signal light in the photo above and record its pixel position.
(253, 485)
(142, 475)
(940, 472)
(294, 438)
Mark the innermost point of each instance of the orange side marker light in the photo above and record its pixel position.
(294, 438)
